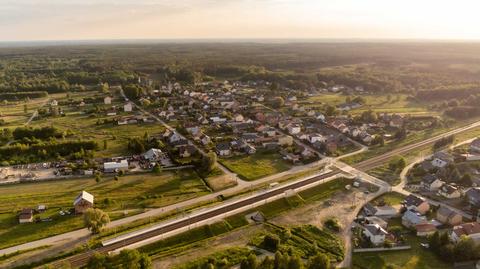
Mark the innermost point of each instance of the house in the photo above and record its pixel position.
(238, 118)
(441, 159)
(26, 216)
(473, 197)
(54, 103)
(111, 167)
(475, 145)
(416, 203)
(83, 202)
(223, 149)
(152, 154)
(411, 219)
(379, 211)
(294, 129)
(471, 230)
(128, 107)
(431, 182)
(285, 140)
(107, 100)
(291, 157)
(205, 139)
(425, 229)
(375, 233)
(396, 121)
(449, 191)
(186, 151)
(447, 216)
(386, 211)
(377, 220)
(249, 149)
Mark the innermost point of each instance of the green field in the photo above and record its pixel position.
(386, 174)
(379, 103)
(251, 167)
(132, 193)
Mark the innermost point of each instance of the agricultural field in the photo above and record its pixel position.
(130, 194)
(258, 165)
(382, 103)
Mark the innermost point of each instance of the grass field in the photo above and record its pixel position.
(391, 198)
(398, 103)
(251, 167)
(227, 257)
(131, 192)
(386, 174)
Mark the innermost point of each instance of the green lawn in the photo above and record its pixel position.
(391, 198)
(131, 192)
(251, 167)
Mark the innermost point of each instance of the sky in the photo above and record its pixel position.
(27, 20)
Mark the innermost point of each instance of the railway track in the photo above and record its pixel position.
(82, 259)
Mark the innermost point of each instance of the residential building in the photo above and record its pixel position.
(473, 197)
(441, 159)
(425, 229)
(107, 100)
(128, 107)
(416, 203)
(475, 145)
(26, 216)
(447, 216)
(110, 167)
(431, 182)
(83, 202)
(449, 191)
(375, 233)
(471, 230)
(153, 154)
(223, 149)
(411, 219)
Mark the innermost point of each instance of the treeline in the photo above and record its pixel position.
(11, 96)
(461, 251)
(23, 153)
(463, 112)
(127, 258)
(38, 133)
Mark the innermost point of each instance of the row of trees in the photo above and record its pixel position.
(39, 133)
(131, 259)
(463, 250)
(284, 261)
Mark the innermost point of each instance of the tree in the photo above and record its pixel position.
(319, 261)
(157, 169)
(208, 162)
(98, 178)
(271, 242)
(278, 102)
(95, 219)
(267, 263)
(105, 144)
(132, 91)
(250, 262)
(295, 262)
(97, 261)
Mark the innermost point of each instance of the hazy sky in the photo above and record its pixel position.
(161, 19)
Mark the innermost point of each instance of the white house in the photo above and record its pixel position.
(294, 129)
(128, 107)
(375, 233)
(110, 167)
(431, 182)
(441, 159)
(107, 100)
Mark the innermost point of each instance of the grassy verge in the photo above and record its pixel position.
(258, 165)
(386, 174)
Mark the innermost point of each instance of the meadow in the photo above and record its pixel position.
(130, 194)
